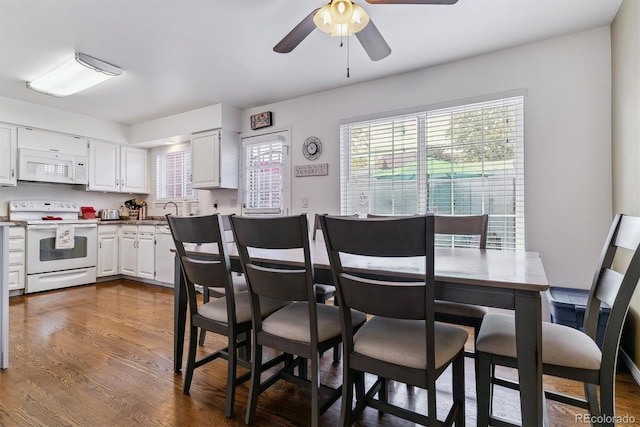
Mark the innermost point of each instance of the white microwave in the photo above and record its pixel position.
(51, 166)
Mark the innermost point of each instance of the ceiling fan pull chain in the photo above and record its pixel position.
(347, 58)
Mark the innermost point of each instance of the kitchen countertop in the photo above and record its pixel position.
(148, 221)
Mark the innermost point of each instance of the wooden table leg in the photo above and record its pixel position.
(179, 315)
(528, 313)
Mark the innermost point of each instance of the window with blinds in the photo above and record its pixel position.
(173, 172)
(264, 176)
(462, 160)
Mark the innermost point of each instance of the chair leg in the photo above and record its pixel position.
(205, 299)
(591, 394)
(232, 364)
(458, 388)
(607, 397)
(347, 394)
(191, 359)
(484, 387)
(315, 390)
(384, 386)
(254, 389)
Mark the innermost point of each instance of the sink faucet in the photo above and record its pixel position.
(174, 204)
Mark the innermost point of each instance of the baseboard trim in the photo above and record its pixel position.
(635, 372)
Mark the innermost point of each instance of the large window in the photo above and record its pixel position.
(265, 180)
(463, 160)
(173, 173)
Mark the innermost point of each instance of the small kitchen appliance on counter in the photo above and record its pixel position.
(109, 214)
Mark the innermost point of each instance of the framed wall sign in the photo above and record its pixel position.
(261, 120)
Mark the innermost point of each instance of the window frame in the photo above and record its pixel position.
(185, 149)
(409, 163)
(264, 138)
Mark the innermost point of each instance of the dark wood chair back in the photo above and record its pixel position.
(464, 225)
(382, 237)
(275, 233)
(614, 288)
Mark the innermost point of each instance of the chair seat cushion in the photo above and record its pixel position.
(466, 310)
(322, 289)
(402, 342)
(561, 345)
(217, 309)
(292, 322)
(239, 285)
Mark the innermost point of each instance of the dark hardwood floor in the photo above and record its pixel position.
(101, 355)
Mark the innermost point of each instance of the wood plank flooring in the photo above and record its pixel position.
(101, 355)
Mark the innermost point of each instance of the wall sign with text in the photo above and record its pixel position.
(321, 169)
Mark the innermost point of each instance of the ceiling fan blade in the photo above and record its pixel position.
(412, 1)
(373, 42)
(295, 36)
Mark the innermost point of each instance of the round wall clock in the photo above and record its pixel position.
(312, 148)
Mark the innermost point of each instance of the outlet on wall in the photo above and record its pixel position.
(305, 202)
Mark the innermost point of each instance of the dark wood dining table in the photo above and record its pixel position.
(493, 278)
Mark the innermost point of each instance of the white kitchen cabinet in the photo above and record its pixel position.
(9, 150)
(104, 167)
(108, 250)
(164, 257)
(134, 171)
(44, 140)
(128, 250)
(214, 159)
(16, 258)
(137, 250)
(118, 168)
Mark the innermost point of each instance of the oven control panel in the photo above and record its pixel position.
(31, 210)
(42, 206)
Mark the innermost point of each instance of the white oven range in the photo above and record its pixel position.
(61, 248)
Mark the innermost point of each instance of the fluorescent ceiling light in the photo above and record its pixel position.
(77, 74)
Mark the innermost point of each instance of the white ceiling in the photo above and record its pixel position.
(179, 55)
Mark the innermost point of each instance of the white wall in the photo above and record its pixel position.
(37, 116)
(567, 137)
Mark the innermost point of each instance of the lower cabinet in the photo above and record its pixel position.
(16, 258)
(137, 250)
(107, 250)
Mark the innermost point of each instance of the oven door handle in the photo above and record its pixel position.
(54, 226)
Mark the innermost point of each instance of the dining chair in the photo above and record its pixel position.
(462, 231)
(229, 315)
(301, 330)
(567, 352)
(238, 281)
(323, 291)
(401, 341)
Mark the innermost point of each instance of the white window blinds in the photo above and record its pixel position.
(264, 176)
(173, 172)
(462, 160)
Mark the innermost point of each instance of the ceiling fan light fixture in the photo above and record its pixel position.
(78, 73)
(341, 11)
(358, 19)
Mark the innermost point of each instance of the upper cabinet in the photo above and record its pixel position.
(134, 170)
(118, 168)
(9, 150)
(214, 159)
(43, 140)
